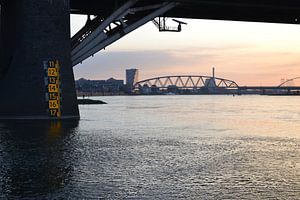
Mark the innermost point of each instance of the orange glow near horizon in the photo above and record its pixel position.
(248, 53)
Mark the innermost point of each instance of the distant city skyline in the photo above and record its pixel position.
(248, 53)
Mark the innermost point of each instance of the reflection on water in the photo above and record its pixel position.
(36, 157)
(179, 147)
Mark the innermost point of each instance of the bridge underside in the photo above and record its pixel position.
(273, 11)
(33, 32)
(117, 18)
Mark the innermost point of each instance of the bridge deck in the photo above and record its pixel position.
(269, 88)
(274, 11)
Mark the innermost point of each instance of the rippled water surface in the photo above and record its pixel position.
(158, 147)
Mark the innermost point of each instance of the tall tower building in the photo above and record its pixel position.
(132, 77)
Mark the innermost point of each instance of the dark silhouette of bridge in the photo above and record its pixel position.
(280, 87)
(188, 82)
(37, 54)
(205, 85)
(287, 81)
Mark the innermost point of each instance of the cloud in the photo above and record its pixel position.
(249, 53)
(242, 63)
(111, 63)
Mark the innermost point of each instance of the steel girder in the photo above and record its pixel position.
(289, 80)
(274, 11)
(116, 18)
(100, 33)
(187, 82)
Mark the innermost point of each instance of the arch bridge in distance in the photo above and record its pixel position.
(25, 55)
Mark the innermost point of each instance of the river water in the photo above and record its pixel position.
(158, 147)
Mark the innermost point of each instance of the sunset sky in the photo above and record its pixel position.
(248, 53)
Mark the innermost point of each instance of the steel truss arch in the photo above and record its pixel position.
(288, 80)
(187, 82)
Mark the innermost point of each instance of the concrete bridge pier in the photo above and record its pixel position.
(34, 32)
